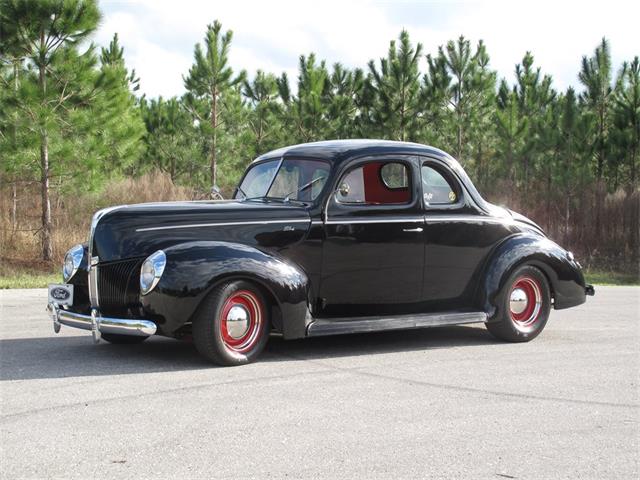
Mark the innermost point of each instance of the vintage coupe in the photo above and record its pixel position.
(322, 238)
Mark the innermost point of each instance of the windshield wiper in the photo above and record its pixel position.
(244, 195)
(303, 188)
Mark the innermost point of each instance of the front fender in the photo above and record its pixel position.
(194, 268)
(564, 274)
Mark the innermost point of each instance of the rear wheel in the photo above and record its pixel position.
(231, 326)
(524, 306)
(118, 339)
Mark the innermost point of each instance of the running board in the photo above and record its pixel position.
(336, 326)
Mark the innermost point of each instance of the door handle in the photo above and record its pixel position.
(418, 229)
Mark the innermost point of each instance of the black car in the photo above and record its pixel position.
(320, 239)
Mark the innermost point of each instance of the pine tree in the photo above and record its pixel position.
(345, 88)
(595, 76)
(119, 119)
(535, 96)
(264, 116)
(396, 85)
(209, 80)
(46, 32)
(172, 143)
(626, 119)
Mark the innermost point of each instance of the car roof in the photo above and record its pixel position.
(336, 151)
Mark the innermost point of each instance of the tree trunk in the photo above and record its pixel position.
(47, 249)
(14, 206)
(214, 140)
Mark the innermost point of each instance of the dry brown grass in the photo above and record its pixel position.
(71, 214)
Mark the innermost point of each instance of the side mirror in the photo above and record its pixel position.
(216, 193)
(344, 189)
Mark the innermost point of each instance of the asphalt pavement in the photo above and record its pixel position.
(445, 402)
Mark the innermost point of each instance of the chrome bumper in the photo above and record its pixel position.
(99, 324)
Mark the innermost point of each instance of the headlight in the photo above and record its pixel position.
(151, 271)
(72, 261)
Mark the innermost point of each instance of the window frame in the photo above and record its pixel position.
(407, 171)
(450, 177)
(360, 164)
(280, 160)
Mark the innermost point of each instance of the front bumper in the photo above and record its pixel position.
(99, 324)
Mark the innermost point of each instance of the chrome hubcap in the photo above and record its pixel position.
(518, 301)
(237, 321)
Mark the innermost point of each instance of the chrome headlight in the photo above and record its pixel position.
(151, 271)
(72, 261)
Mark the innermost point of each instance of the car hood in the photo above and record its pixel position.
(129, 231)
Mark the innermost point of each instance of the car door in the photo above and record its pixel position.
(458, 238)
(373, 251)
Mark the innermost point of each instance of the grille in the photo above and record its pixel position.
(118, 284)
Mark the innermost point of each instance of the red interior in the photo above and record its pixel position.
(375, 191)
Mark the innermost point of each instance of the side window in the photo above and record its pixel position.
(395, 175)
(436, 189)
(376, 183)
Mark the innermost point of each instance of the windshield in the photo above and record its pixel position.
(295, 179)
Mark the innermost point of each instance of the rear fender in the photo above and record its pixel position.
(563, 273)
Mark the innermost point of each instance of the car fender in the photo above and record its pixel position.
(562, 271)
(193, 269)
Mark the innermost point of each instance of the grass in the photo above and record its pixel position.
(27, 275)
(608, 277)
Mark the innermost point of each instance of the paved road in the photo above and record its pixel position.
(442, 402)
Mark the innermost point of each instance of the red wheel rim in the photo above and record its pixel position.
(241, 321)
(525, 302)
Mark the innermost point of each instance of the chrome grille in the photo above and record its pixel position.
(93, 282)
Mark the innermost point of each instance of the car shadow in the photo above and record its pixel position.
(77, 356)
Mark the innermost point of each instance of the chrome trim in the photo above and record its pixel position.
(93, 282)
(374, 220)
(518, 301)
(99, 324)
(237, 321)
(159, 261)
(93, 261)
(95, 325)
(76, 252)
(466, 218)
(222, 224)
(336, 326)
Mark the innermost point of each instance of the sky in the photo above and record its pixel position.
(159, 35)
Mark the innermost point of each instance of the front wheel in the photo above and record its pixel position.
(231, 326)
(524, 306)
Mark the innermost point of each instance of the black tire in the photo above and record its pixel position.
(215, 341)
(515, 326)
(118, 339)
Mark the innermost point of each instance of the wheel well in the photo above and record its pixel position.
(543, 269)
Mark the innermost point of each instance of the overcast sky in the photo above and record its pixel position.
(159, 35)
